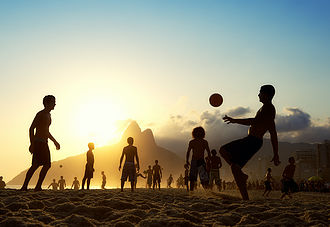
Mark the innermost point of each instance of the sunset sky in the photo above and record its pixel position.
(157, 62)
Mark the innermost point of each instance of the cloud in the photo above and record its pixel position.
(296, 126)
(295, 121)
(238, 111)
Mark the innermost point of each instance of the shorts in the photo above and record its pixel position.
(149, 181)
(268, 186)
(156, 178)
(41, 153)
(198, 167)
(89, 170)
(289, 185)
(215, 176)
(242, 150)
(128, 171)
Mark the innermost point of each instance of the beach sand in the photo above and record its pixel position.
(168, 207)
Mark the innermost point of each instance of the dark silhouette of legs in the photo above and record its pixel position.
(83, 183)
(28, 176)
(122, 186)
(192, 185)
(132, 185)
(42, 176)
(88, 182)
(240, 179)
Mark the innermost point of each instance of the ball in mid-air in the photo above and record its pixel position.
(216, 100)
(61, 166)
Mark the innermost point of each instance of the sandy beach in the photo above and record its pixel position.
(168, 207)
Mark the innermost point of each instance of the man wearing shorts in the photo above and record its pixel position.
(239, 152)
(39, 143)
(156, 175)
(129, 171)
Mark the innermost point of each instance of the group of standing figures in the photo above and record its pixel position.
(236, 153)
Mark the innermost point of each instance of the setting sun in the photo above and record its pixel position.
(96, 122)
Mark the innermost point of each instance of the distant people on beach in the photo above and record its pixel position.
(169, 181)
(198, 145)
(129, 171)
(186, 176)
(268, 182)
(148, 173)
(39, 143)
(75, 184)
(89, 168)
(54, 185)
(288, 184)
(239, 152)
(62, 183)
(2, 183)
(156, 175)
(180, 182)
(137, 175)
(104, 180)
(215, 165)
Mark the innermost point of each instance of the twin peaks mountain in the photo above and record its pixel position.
(107, 160)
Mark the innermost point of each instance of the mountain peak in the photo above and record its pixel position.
(133, 130)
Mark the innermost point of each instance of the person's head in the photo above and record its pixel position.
(198, 133)
(266, 93)
(54, 180)
(213, 152)
(291, 160)
(130, 140)
(149, 166)
(269, 170)
(102, 172)
(1, 177)
(156, 161)
(75, 178)
(91, 146)
(61, 177)
(49, 102)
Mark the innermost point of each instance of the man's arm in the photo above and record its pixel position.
(54, 141)
(274, 141)
(121, 159)
(188, 153)
(246, 121)
(137, 161)
(208, 150)
(160, 171)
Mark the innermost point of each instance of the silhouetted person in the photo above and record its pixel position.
(215, 165)
(288, 184)
(54, 185)
(104, 180)
(39, 143)
(169, 181)
(149, 176)
(156, 175)
(198, 166)
(75, 184)
(180, 182)
(2, 183)
(186, 176)
(268, 182)
(62, 183)
(239, 152)
(137, 174)
(129, 171)
(89, 168)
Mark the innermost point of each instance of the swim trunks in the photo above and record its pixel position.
(242, 150)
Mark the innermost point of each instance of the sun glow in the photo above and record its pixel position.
(96, 121)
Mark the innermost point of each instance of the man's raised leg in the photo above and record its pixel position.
(42, 176)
